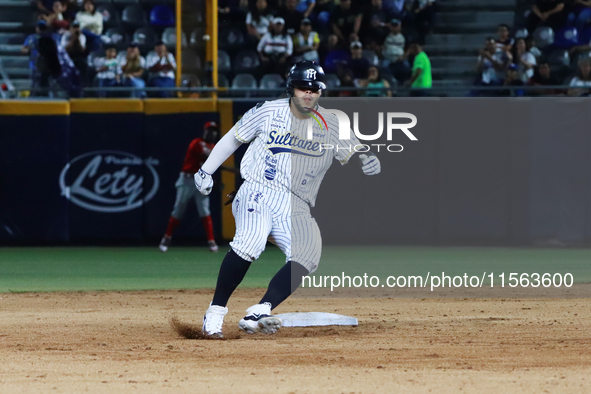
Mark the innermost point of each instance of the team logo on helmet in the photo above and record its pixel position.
(311, 73)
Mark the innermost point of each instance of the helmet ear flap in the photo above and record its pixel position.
(289, 90)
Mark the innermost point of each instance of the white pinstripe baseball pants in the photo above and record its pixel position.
(263, 214)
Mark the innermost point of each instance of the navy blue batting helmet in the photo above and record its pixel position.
(305, 74)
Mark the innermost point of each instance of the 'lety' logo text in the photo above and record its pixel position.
(109, 181)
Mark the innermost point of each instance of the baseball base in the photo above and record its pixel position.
(309, 319)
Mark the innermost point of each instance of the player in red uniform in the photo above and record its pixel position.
(198, 151)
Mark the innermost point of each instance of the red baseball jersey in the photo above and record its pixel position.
(196, 155)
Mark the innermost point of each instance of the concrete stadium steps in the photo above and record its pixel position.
(460, 31)
(460, 5)
(12, 38)
(21, 84)
(472, 20)
(6, 49)
(17, 19)
(16, 66)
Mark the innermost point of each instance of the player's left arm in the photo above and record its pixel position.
(369, 162)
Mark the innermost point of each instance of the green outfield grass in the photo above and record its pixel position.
(102, 268)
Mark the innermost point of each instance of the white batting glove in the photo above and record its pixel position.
(370, 164)
(203, 182)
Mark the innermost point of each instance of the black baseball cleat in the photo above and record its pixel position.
(259, 319)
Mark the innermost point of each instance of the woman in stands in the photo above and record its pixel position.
(57, 20)
(523, 59)
(91, 23)
(581, 80)
(375, 81)
(258, 21)
(132, 68)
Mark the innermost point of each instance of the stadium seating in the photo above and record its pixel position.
(118, 37)
(124, 3)
(244, 81)
(559, 57)
(230, 38)
(333, 58)
(110, 15)
(371, 57)
(272, 81)
(543, 36)
(224, 63)
(583, 20)
(133, 16)
(223, 83)
(566, 37)
(332, 81)
(162, 16)
(145, 38)
(169, 38)
(196, 38)
(246, 61)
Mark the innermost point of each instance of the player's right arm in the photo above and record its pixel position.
(244, 131)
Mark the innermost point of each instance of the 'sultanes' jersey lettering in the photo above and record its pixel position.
(280, 157)
(286, 143)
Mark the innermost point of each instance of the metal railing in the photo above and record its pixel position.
(205, 92)
(5, 81)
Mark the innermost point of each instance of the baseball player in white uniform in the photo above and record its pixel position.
(282, 171)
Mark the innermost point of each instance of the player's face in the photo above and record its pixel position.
(306, 97)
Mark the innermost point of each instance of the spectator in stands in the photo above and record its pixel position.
(504, 40)
(512, 79)
(91, 23)
(55, 64)
(357, 63)
(74, 42)
(44, 6)
(394, 53)
(491, 64)
(547, 13)
(291, 16)
(306, 7)
(31, 47)
(421, 79)
(232, 11)
(375, 81)
(346, 78)
(374, 25)
(275, 48)
(331, 53)
(531, 47)
(543, 77)
(306, 42)
(108, 71)
(132, 67)
(581, 80)
(579, 48)
(346, 20)
(399, 9)
(258, 21)
(424, 16)
(523, 59)
(56, 20)
(162, 67)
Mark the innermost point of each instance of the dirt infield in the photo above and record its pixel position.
(122, 342)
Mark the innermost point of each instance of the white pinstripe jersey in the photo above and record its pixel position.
(280, 157)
